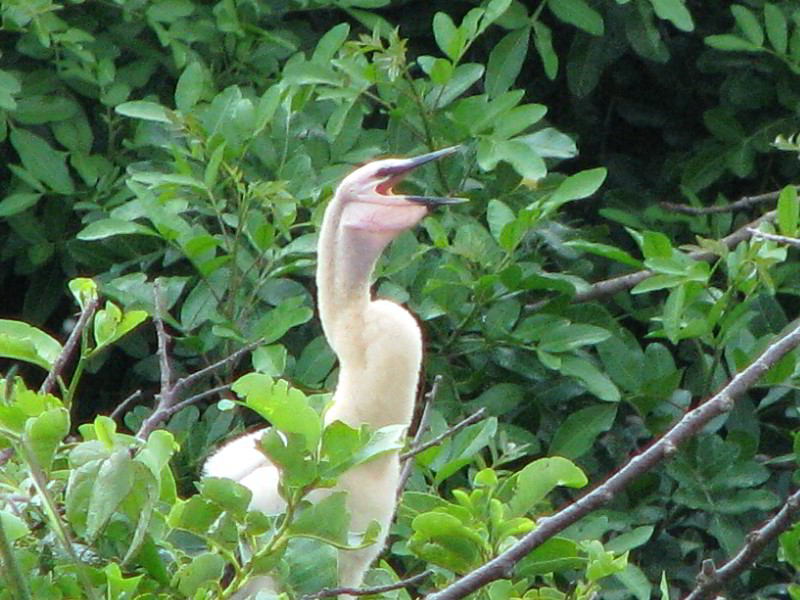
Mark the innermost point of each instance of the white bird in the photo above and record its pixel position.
(379, 346)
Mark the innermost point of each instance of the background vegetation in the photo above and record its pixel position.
(166, 168)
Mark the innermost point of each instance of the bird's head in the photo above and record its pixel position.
(369, 204)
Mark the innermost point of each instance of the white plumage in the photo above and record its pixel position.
(379, 347)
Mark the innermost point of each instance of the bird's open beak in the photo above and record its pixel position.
(400, 170)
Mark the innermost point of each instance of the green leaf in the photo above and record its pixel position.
(539, 478)
(447, 36)
(44, 434)
(14, 528)
(204, 567)
(114, 481)
(505, 61)
(569, 336)
(42, 162)
(327, 520)
(519, 119)
(16, 203)
(20, 341)
(146, 111)
(579, 14)
(444, 540)
(606, 251)
(315, 362)
(330, 42)
(595, 381)
(190, 87)
(466, 444)
(748, 23)
(119, 586)
(228, 495)
(291, 312)
(777, 27)
(105, 228)
(577, 433)
(498, 215)
(520, 156)
(578, 186)
(675, 12)
(630, 539)
(788, 211)
(554, 555)
(543, 41)
(731, 43)
(286, 408)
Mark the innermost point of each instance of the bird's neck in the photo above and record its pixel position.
(378, 343)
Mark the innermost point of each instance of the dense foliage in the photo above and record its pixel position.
(167, 165)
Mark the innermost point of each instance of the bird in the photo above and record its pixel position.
(378, 344)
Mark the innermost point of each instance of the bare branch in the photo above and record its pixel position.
(124, 404)
(781, 239)
(689, 425)
(329, 592)
(166, 396)
(478, 415)
(614, 285)
(742, 203)
(711, 579)
(428, 399)
(69, 348)
(198, 375)
(168, 403)
(196, 398)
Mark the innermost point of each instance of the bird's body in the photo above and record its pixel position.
(379, 346)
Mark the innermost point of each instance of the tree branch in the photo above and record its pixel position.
(608, 287)
(689, 425)
(710, 579)
(124, 404)
(742, 203)
(478, 415)
(428, 399)
(169, 393)
(328, 592)
(69, 348)
(781, 239)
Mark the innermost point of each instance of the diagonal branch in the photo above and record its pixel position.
(609, 287)
(169, 394)
(333, 592)
(478, 415)
(69, 347)
(781, 239)
(689, 425)
(712, 579)
(742, 203)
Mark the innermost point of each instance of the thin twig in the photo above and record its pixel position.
(608, 287)
(124, 404)
(689, 425)
(380, 589)
(197, 375)
(742, 203)
(712, 579)
(69, 348)
(428, 400)
(781, 239)
(166, 396)
(478, 415)
(196, 398)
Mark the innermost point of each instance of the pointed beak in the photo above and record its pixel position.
(404, 167)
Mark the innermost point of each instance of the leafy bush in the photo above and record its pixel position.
(181, 154)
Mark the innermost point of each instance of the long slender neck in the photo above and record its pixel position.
(343, 278)
(378, 343)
